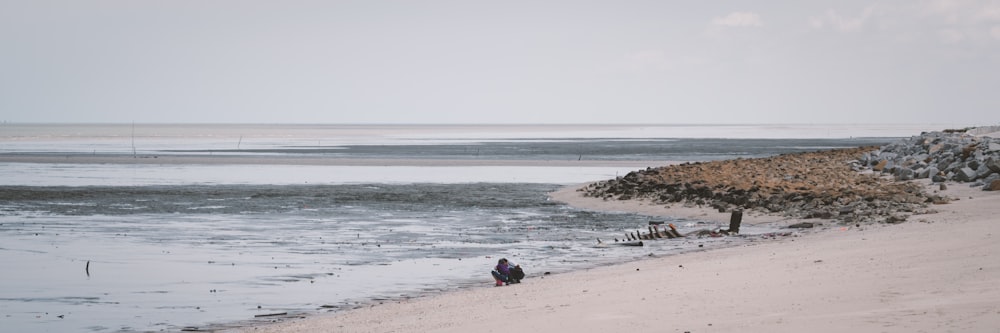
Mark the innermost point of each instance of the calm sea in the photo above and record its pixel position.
(112, 233)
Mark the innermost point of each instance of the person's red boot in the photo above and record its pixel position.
(499, 283)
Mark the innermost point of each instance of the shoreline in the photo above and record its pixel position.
(935, 272)
(146, 159)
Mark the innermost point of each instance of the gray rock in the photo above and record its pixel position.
(992, 186)
(965, 175)
(992, 177)
(993, 163)
(955, 166)
(983, 172)
(929, 172)
(938, 178)
(973, 164)
(943, 163)
(935, 148)
(904, 174)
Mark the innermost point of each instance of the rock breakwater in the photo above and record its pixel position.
(953, 155)
(824, 184)
(850, 185)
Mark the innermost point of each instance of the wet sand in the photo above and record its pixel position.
(934, 273)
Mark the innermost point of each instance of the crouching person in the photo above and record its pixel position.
(505, 273)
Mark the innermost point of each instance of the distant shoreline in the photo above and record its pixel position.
(146, 159)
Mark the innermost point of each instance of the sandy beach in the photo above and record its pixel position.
(933, 273)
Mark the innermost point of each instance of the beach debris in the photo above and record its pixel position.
(803, 225)
(87, 268)
(654, 232)
(271, 314)
(895, 218)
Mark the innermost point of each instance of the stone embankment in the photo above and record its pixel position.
(941, 156)
(831, 184)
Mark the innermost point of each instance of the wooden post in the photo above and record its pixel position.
(673, 233)
(734, 221)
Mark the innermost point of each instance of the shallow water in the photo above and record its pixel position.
(173, 256)
(125, 247)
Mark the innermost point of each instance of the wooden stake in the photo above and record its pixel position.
(673, 231)
(734, 221)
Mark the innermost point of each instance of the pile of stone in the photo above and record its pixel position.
(823, 184)
(831, 184)
(953, 155)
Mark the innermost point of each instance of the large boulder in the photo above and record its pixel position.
(943, 163)
(928, 172)
(992, 186)
(983, 172)
(938, 178)
(993, 163)
(973, 164)
(965, 174)
(993, 146)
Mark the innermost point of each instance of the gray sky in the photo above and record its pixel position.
(665, 62)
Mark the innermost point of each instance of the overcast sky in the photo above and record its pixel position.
(669, 62)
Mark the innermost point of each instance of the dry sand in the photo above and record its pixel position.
(933, 273)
